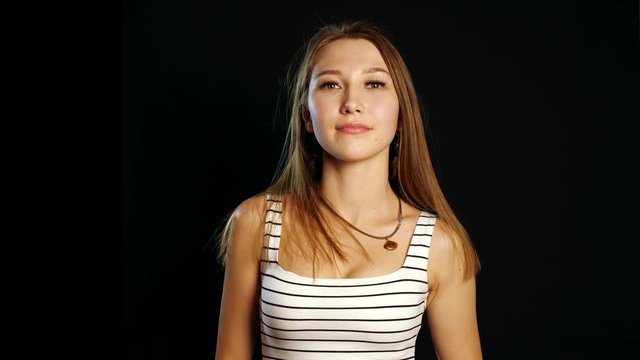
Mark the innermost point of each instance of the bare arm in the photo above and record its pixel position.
(451, 311)
(238, 308)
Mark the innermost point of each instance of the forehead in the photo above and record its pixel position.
(348, 53)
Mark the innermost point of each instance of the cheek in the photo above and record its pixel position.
(388, 109)
(319, 107)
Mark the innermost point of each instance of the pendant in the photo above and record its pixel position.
(390, 245)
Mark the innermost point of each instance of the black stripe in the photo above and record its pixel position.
(427, 246)
(418, 256)
(338, 351)
(341, 320)
(341, 308)
(269, 247)
(272, 235)
(268, 261)
(275, 211)
(344, 330)
(425, 224)
(414, 268)
(341, 340)
(269, 357)
(272, 222)
(349, 296)
(274, 200)
(340, 286)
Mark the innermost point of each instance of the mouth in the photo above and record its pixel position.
(353, 128)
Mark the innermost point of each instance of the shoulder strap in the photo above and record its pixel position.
(272, 228)
(418, 254)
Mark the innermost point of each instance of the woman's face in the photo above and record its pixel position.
(352, 103)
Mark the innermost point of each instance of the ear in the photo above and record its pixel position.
(306, 117)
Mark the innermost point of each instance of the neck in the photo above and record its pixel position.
(356, 191)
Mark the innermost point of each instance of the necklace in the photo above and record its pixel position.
(389, 244)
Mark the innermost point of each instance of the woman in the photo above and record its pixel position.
(354, 241)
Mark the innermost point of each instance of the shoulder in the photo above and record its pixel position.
(442, 240)
(444, 263)
(250, 212)
(246, 227)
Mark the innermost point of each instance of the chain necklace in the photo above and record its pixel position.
(389, 244)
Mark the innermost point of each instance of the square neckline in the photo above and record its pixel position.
(353, 280)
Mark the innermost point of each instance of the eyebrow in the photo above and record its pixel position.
(364, 71)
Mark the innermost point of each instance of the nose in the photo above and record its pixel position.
(351, 104)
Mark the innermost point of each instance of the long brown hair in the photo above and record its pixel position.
(297, 178)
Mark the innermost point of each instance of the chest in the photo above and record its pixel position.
(363, 257)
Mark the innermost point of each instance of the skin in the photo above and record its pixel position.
(350, 84)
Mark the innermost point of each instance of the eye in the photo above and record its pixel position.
(375, 84)
(329, 85)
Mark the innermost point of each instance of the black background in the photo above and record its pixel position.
(531, 110)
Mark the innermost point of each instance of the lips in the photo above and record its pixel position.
(353, 128)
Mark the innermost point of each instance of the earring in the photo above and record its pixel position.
(395, 150)
(315, 163)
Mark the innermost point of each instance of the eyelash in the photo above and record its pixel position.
(326, 84)
(378, 84)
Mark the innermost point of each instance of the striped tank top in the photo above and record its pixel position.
(370, 318)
